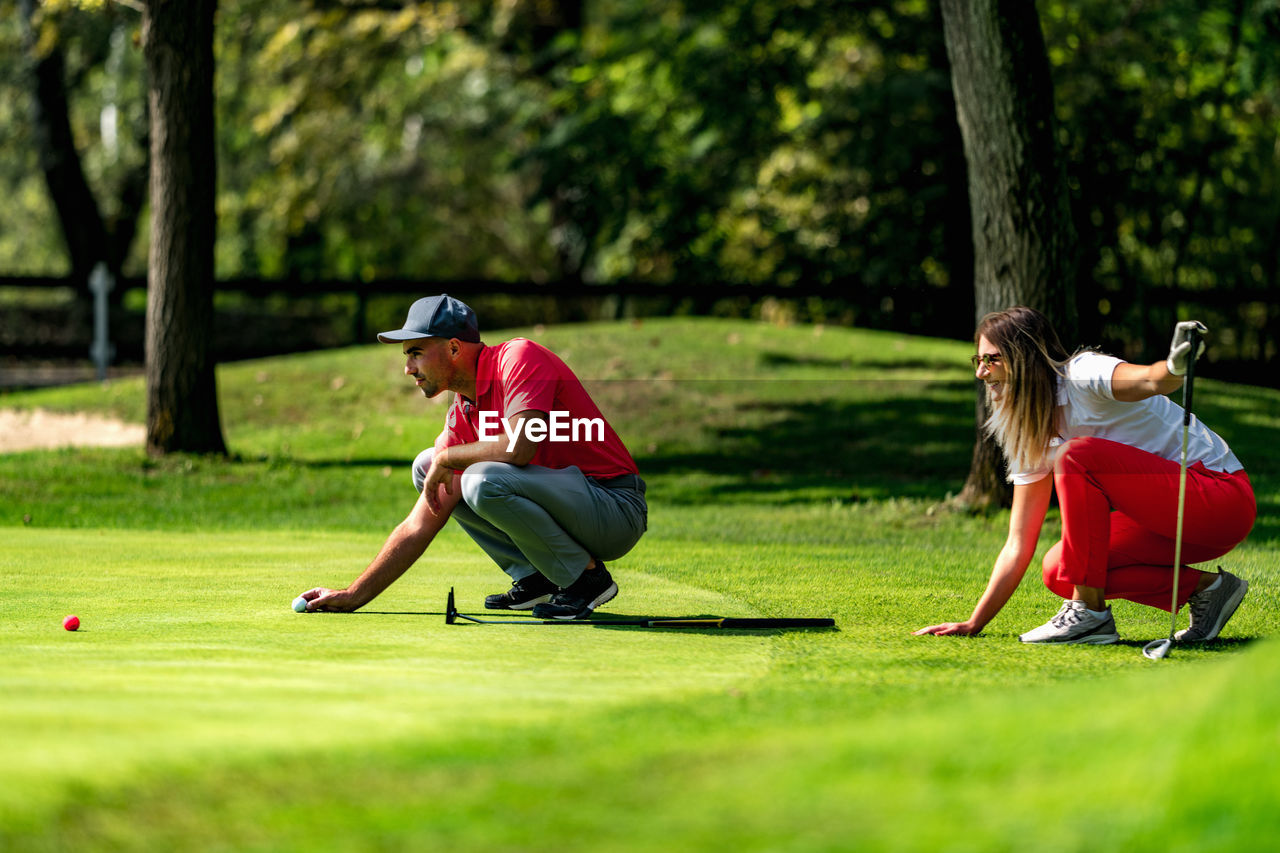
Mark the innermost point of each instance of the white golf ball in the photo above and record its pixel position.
(300, 604)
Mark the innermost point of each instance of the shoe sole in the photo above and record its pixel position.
(1224, 615)
(527, 605)
(1090, 640)
(603, 598)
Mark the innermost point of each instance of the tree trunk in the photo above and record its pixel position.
(1024, 239)
(182, 399)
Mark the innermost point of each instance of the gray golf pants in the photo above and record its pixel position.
(547, 520)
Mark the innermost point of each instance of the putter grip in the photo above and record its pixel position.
(785, 622)
(744, 623)
(1191, 373)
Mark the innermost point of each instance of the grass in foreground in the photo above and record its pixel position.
(195, 710)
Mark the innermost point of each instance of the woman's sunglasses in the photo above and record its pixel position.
(985, 360)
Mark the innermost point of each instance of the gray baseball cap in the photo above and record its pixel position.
(436, 317)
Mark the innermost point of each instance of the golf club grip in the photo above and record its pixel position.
(743, 623)
(1194, 340)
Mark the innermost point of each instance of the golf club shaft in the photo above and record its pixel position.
(729, 623)
(451, 616)
(1182, 480)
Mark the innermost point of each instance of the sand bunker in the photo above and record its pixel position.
(41, 430)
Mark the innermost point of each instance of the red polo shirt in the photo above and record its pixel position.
(520, 375)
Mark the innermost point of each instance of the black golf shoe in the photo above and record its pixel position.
(578, 599)
(524, 593)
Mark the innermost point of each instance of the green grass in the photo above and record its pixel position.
(790, 473)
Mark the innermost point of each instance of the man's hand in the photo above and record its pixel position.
(321, 600)
(1180, 346)
(437, 477)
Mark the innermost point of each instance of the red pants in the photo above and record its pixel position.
(1119, 515)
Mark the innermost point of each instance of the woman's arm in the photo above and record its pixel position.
(1030, 503)
(1133, 382)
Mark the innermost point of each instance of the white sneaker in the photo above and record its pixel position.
(1075, 623)
(1211, 609)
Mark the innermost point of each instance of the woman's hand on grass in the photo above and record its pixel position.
(948, 629)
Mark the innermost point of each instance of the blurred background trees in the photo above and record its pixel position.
(809, 146)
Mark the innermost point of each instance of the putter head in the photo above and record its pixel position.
(1157, 649)
(450, 611)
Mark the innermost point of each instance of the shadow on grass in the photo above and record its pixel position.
(357, 462)
(1220, 645)
(939, 366)
(616, 621)
(621, 622)
(739, 632)
(780, 359)
(904, 447)
(1246, 417)
(1267, 527)
(776, 450)
(865, 440)
(439, 613)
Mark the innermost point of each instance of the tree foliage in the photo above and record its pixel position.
(797, 143)
(86, 54)
(1171, 114)
(368, 143)
(756, 142)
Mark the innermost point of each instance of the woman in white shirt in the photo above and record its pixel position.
(1112, 442)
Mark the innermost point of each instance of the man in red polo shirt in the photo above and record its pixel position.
(526, 463)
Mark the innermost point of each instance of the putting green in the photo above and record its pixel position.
(189, 653)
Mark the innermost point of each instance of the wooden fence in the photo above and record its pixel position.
(259, 317)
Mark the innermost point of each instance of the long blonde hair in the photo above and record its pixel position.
(1024, 420)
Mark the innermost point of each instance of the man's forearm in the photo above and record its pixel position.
(401, 550)
(502, 448)
(407, 542)
(459, 457)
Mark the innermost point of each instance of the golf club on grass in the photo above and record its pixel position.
(451, 616)
(1157, 649)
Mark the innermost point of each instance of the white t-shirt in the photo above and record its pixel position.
(1086, 407)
